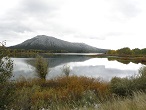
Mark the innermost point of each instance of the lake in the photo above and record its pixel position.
(79, 65)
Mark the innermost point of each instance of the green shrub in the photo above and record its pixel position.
(6, 94)
(140, 79)
(142, 72)
(126, 86)
(42, 67)
(6, 68)
(119, 86)
(6, 88)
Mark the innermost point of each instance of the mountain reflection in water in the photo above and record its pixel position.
(79, 65)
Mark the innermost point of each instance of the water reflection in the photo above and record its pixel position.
(59, 60)
(79, 65)
(21, 68)
(126, 61)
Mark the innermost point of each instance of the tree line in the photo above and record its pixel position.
(127, 51)
(26, 52)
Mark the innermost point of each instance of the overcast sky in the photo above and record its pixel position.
(109, 24)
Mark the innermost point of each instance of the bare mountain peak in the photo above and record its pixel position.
(43, 36)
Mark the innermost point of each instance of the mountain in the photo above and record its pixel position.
(43, 42)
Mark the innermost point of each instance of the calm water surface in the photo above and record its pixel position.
(79, 65)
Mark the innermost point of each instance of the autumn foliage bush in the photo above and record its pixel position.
(64, 90)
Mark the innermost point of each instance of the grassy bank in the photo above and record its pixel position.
(72, 92)
(137, 102)
(128, 59)
(61, 93)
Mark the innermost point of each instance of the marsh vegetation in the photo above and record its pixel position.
(75, 92)
(69, 91)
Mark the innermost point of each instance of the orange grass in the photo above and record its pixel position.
(64, 88)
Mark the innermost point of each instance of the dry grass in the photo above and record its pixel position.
(67, 86)
(68, 92)
(137, 102)
(73, 92)
(65, 93)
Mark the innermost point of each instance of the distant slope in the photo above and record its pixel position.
(43, 42)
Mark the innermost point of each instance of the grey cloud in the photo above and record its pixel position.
(128, 8)
(123, 9)
(38, 7)
(15, 26)
(113, 34)
(35, 8)
(85, 36)
(104, 36)
(16, 19)
(96, 37)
